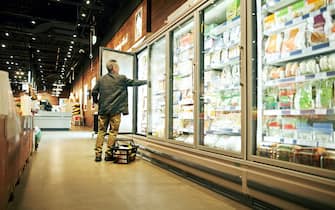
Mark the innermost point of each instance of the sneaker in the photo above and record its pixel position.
(97, 158)
(109, 158)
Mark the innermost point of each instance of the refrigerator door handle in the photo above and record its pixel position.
(242, 80)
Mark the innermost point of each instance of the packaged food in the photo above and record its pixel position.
(330, 25)
(304, 132)
(309, 155)
(297, 9)
(233, 9)
(286, 96)
(289, 128)
(329, 160)
(270, 98)
(309, 66)
(282, 16)
(274, 72)
(285, 152)
(274, 127)
(324, 94)
(323, 63)
(273, 44)
(312, 5)
(304, 96)
(331, 62)
(316, 32)
(323, 133)
(267, 150)
(269, 22)
(291, 69)
(294, 39)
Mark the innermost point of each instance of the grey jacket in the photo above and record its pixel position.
(111, 93)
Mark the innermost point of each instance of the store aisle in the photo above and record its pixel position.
(62, 175)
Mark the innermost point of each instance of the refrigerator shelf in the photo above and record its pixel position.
(303, 53)
(277, 5)
(221, 65)
(302, 78)
(226, 132)
(317, 111)
(300, 142)
(296, 21)
(225, 26)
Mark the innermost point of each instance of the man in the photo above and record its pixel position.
(111, 94)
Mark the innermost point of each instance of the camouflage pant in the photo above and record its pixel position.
(114, 124)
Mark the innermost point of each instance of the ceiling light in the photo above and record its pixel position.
(72, 42)
(70, 49)
(7, 62)
(65, 59)
(88, 2)
(16, 64)
(3, 45)
(41, 66)
(22, 73)
(39, 59)
(6, 34)
(11, 56)
(38, 51)
(69, 56)
(69, 53)
(12, 63)
(9, 67)
(83, 15)
(78, 24)
(33, 38)
(33, 22)
(74, 35)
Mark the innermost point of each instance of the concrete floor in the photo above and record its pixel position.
(62, 175)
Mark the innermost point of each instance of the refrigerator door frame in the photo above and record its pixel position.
(243, 82)
(150, 45)
(101, 49)
(189, 17)
(253, 64)
(136, 90)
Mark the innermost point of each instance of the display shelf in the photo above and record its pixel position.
(158, 93)
(303, 53)
(228, 109)
(225, 26)
(302, 78)
(300, 142)
(178, 75)
(317, 111)
(296, 21)
(183, 49)
(227, 132)
(185, 130)
(230, 62)
(277, 5)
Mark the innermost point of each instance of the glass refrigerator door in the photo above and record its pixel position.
(142, 72)
(295, 83)
(182, 103)
(157, 75)
(126, 63)
(220, 98)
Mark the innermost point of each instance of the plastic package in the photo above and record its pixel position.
(294, 39)
(324, 94)
(316, 32)
(304, 98)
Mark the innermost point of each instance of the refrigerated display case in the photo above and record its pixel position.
(295, 83)
(220, 98)
(142, 109)
(181, 126)
(157, 91)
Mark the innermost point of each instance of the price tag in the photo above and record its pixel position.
(322, 75)
(300, 79)
(321, 111)
(295, 112)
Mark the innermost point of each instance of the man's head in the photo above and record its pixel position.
(112, 66)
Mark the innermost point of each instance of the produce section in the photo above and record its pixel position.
(296, 82)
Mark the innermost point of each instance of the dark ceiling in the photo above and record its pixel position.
(51, 38)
